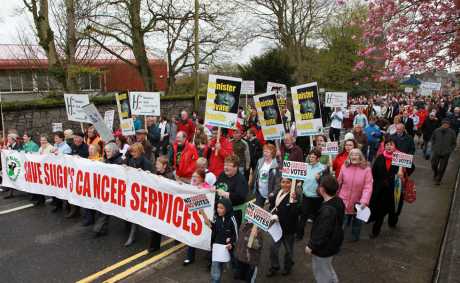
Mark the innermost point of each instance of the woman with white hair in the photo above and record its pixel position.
(355, 187)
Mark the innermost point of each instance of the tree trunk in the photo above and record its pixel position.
(139, 52)
(71, 48)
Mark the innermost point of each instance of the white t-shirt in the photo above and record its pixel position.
(263, 179)
(337, 118)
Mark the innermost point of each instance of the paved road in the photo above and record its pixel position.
(406, 254)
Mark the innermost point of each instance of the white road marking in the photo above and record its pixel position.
(16, 208)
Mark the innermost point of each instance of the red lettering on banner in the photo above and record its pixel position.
(134, 203)
(39, 172)
(144, 191)
(87, 187)
(71, 174)
(105, 185)
(122, 193)
(53, 175)
(170, 205)
(197, 227)
(152, 203)
(162, 197)
(178, 207)
(27, 171)
(97, 185)
(59, 176)
(186, 225)
(78, 186)
(47, 176)
(113, 190)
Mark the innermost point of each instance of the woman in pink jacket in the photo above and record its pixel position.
(355, 187)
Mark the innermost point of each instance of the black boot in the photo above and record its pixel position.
(132, 235)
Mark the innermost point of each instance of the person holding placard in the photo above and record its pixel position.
(384, 200)
(45, 148)
(283, 204)
(339, 160)
(355, 187)
(266, 175)
(224, 234)
(311, 201)
(403, 141)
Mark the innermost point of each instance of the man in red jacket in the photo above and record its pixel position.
(185, 156)
(186, 125)
(223, 148)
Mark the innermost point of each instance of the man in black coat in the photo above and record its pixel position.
(403, 141)
(428, 127)
(327, 232)
(408, 123)
(444, 141)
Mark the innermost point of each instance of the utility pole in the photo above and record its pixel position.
(196, 104)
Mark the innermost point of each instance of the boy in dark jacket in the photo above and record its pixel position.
(224, 232)
(326, 233)
(284, 206)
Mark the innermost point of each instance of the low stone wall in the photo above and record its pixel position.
(37, 120)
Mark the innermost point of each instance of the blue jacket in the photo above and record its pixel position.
(373, 133)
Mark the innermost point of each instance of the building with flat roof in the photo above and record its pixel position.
(24, 69)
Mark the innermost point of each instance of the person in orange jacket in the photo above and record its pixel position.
(184, 158)
(223, 148)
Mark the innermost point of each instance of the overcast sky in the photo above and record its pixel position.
(11, 22)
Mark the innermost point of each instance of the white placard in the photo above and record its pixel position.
(258, 216)
(109, 116)
(74, 104)
(431, 85)
(336, 99)
(144, 103)
(127, 127)
(402, 159)
(294, 170)
(269, 116)
(247, 87)
(408, 90)
(96, 119)
(355, 107)
(330, 148)
(56, 127)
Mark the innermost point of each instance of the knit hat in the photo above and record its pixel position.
(349, 136)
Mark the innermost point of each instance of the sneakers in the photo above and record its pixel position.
(187, 262)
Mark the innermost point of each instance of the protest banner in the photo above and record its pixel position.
(136, 196)
(269, 116)
(96, 119)
(431, 85)
(127, 127)
(56, 127)
(280, 90)
(258, 216)
(307, 109)
(222, 101)
(109, 117)
(144, 103)
(408, 90)
(294, 170)
(402, 159)
(425, 91)
(74, 104)
(197, 202)
(336, 99)
(355, 107)
(330, 148)
(123, 105)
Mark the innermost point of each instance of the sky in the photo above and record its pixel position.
(11, 23)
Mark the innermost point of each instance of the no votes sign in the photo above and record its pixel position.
(137, 196)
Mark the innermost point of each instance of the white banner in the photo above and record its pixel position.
(56, 127)
(247, 87)
(109, 117)
(136, 196)
(73, 106)
(269, 116)
(145, 103)
(96, 119)
(336, 99)
(222, 101)
(408, 90)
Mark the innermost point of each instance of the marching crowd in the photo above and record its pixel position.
(240, 166)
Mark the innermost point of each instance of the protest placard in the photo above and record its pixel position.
(144, 103)
(280, 90)
(336, 99)
(402, 159)
(307, 109)
(431, 85)
(408, 90)
(74, 104)
(355, 107)
(258, 216)
(56, 127)
(269, 116)
(127, 127)
(98, 122)
(294, 170)
(197, 202)
(247, 87)
(109, 116)
(330, 148)
(123, 105)
(222, 101)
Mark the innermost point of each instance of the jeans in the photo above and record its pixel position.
(323, 271)
(191, 253)
(355, 225)
(216, 271)
(439, 165)
(288, 242)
